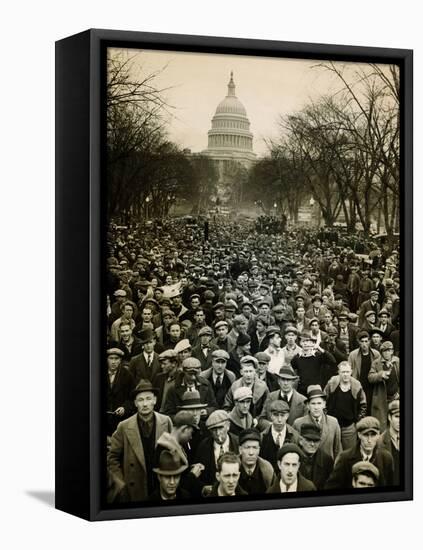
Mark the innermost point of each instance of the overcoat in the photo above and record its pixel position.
(330, 433)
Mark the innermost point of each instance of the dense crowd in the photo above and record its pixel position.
(248, 363)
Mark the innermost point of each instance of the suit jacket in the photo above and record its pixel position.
(330, 442)
(255, 345)
(139, 369)
(177, 389)
(119, 395)
(227, 381)
(126, 457)
(260, 393)
(205, 456)
(322, 465)
(298, 408)
(197, 352)
(303, 485)
(341, 477)
(268, 447)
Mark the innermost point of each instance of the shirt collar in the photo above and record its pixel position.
(292, 488)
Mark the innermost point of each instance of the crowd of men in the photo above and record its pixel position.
(248, 363)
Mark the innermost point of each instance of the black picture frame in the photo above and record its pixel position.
(80, 140)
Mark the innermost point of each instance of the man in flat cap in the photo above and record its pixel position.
(347, 332)
(189, 379)
(128, 343)
(116, 309)
(220, 378)
(316, 465)
(239, 326)
(258, 334)
(132, 445)
(291, 348)
(243, 348)
(384, 378)
(257, 474)
(330, 431)
(145, 365)
(364, 475)
(248, 380)
(199, 322)
(362, 360)
(262, 373)
(368, 431)
(287, 392)
(203, 350)
(164, 379)
(119, 387)
(218, 442)
(384, 323)
(290, 479)
(390, 438)
(336, 347)
(221, 329)
(369, 305)
(277, 433)
(240, 416)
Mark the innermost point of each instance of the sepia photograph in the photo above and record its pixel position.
(252, 278)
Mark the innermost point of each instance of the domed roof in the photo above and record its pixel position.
(231, 104)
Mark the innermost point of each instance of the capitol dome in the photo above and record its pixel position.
(230, 130)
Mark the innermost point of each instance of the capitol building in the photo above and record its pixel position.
(230, 143)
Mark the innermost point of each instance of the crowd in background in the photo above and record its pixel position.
(250, 362)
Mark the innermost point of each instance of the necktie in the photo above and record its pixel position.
(222, 451)
(218, 381)
(205, 351)
(278, 440)
(149, 359)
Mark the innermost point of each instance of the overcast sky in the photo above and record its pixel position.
(267, 87)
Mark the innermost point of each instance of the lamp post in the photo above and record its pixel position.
(147, 200)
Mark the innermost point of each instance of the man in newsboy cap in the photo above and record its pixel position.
(290, 480)
(220, 378)
(364, 475)
(257, 474)
(249, 380)
(368, 431)
(119, 386)
(218, 442)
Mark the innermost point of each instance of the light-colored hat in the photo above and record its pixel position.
(243, 393)
(182, 345)
(216, 419)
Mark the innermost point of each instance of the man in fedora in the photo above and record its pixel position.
(132, 445)
(191, 402)
(218, 442)
(330, 431)
(248, 380)
(366, 449)
(290, 479)
(287, 392)
(189, 379)
(316, 464)
(119, 387)
(168, 472)
(145, 365)
(257, 474)
(220, 378)
(277, 433)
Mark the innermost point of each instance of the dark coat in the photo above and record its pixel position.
(135, 350)
(205, 456)
(255, 345)
(227, 381)
(385, 442)
(119, 395)
(239, 492)
(269, 449)
(303, 485)
(297, 408)
(176, 391)
(341, 477)
(365, 307)
(180, 494)
(139, 369)
(322, 466)
(360, 403)
(198, 354)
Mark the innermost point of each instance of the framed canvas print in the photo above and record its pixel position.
(234, 275)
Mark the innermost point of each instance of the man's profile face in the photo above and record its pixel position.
(168, 485)
(144, 402)
(289, 466)
(394, 420)
(228, 478)
(276, 340)
(185, 434)
(363, 481)
(243, 407)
